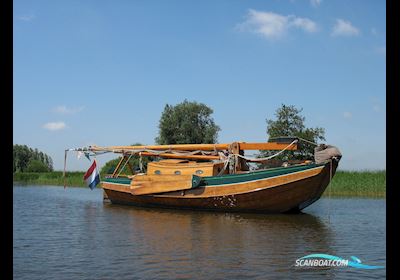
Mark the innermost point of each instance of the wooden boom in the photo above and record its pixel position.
(168, 155)
(200, 147)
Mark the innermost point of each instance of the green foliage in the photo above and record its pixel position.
(73, 179)
(110, 165)
(23, 156)
(358, 183)
(25, 177)
(35, 165)
(187, 123)
(290, 122)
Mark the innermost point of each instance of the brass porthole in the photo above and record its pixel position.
(177, 172)
(199, 172)
(158, 172)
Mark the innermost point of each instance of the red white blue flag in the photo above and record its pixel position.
(92, 176)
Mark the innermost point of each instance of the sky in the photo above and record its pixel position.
(101, 72)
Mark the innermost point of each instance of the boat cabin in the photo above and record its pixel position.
(185, 167)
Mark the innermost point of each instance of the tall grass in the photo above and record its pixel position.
(344, 183)
(73, 179)
(358, 183)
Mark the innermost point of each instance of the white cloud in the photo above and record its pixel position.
(347, 115)
(26, 17)
(53, 126)
(274, 26)
(305, 23)
(269, 25)
(344, 28)
(315, 3)
(65, 110)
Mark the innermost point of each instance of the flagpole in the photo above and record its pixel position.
(65, 166)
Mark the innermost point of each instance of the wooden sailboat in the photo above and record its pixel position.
(217, 177)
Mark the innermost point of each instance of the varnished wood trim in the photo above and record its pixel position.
(246, 187)
(167, 155)
(266, 146)
(229, 189)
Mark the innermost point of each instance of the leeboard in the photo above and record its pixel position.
(152, 184)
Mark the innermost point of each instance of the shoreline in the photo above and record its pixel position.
(345, 183)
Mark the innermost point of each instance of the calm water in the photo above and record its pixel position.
(72, 234)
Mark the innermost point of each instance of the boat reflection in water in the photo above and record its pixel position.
(194, 244)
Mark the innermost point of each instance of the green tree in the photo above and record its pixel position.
(187, 123)
(23, 155)
(290, 122)
(35, 165)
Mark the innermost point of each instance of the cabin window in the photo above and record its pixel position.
(158, 172)
(199, 171)
(177, 172)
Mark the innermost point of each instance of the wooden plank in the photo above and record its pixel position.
(181, 147)
(160, 187)
(266, 146)
(143, 185)
(168, 155)
(204, 169)
(118, 166)
(137, 179)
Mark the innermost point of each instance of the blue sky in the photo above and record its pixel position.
(101, 72)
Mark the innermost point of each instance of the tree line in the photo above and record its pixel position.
(26, 159)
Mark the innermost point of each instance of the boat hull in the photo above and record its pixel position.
(278, 194)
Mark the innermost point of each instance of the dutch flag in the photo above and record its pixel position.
(92, 176)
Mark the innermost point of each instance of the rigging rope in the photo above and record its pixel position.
(124, 165)
(305, 140)
(226, 162)
(267, 158)
(140, 162)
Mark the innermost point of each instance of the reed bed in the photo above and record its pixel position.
(358, 183)
(73, 179)
(344, 183)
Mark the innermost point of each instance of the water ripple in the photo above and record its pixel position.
(71, 234)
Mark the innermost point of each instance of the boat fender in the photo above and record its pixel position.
(324, 152)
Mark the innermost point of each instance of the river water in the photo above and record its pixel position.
(72, 234)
